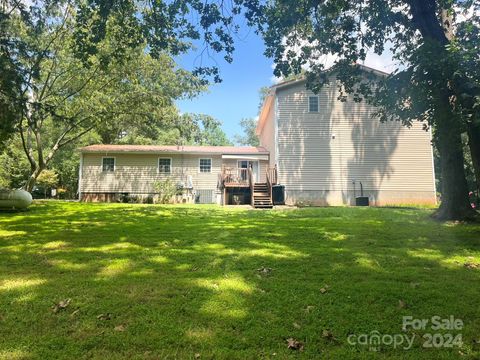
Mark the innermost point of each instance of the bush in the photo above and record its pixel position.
(166, 190)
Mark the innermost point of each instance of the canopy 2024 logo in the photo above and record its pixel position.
(444, 334)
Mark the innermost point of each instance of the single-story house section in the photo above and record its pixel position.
(207, 174)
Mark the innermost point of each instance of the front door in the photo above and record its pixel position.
(244, 164)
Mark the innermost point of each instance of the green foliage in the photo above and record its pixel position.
(165, 189)
(47, 178)
(172, 27)
(191, 277)
(249, 137)
(11, 97)
(200, 129)
(14, 167)
(114, 96)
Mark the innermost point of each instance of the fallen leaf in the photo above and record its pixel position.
(327, 334)
(309, 308)
(62, 305)
(323, 290)
(264, 270)
(414, 284)
(75, 313)
(197, 356)
(106, 316)
(294, 344)
(120, 327)
(471, 265)
(296, 325)
(402, 304)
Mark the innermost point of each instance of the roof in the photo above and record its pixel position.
(172, 149)
(269, 98)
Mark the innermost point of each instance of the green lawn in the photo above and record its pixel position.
(183, 282)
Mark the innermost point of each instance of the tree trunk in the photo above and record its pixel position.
(455, 204)
(473, 131)
(32, 179)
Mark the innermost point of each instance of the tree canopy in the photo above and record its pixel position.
(116, 98)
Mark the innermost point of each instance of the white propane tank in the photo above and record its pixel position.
(15, 199)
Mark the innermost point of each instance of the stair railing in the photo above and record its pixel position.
(268, 177)
(272, 178)
(251, 184)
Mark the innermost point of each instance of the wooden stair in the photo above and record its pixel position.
(261, 196)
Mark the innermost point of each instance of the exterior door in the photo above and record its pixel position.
(244, 164)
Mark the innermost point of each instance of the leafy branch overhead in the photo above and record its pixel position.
(172, 27)
(65, 98)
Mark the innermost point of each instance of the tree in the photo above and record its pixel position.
(10, 78)
(66, 98)
(14, 167)
(428, 85)
(47, 179)
(468, 38)
(200, 129)
(249, 137)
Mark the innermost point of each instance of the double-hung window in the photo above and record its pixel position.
(108, 164)
(313, 104)
(164, 165)
(205, 165)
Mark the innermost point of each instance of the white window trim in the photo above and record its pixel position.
(211, 165)
(171, 165)
(318, 104)
(114, 164)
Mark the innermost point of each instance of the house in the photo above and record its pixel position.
(209, 174)
(320, 150)
(328, 151)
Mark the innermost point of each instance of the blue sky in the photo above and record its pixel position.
(237, 96)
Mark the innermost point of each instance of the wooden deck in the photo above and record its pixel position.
(261, 193)
(236, 177)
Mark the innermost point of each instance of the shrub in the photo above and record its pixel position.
(166, 190)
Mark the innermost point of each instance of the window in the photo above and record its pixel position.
(205, 165)
(108, 164)
(165, 165)
(313, 104)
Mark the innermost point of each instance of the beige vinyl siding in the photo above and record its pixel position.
(136, 173)
(267, 136)
(325, 151)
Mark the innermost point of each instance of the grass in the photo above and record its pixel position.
(182, 282)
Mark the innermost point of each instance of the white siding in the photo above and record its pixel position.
(136, 173)
(325, 151)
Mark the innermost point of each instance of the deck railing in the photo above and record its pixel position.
(235, 176)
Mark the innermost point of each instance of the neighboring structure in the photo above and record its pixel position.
(325, 149)
(210, 174)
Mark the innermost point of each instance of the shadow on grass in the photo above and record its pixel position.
(184, 280)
